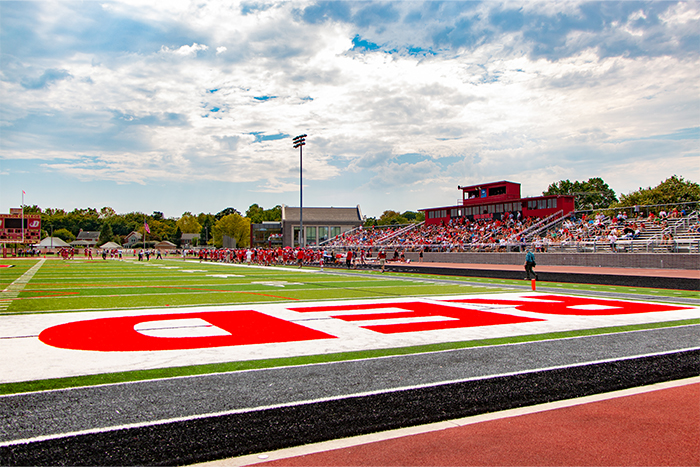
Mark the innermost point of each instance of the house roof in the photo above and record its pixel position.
(47, 243)
(134, 234)
(89, 242)
(165, 244)
(314, 215)
(88, 235)
(110, 246)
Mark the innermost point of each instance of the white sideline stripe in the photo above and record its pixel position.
(315, 401)
(439, 426)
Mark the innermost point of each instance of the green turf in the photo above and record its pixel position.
(19, 267)
(102, 285)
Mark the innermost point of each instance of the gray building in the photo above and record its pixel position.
(86, 239)
(320, 224)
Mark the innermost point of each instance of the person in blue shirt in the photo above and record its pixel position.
(529, 264)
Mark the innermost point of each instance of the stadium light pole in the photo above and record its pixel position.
(299, 141)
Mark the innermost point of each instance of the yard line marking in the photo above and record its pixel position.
(13, 290)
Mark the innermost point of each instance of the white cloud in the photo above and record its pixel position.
(506, 104)
(185, 50)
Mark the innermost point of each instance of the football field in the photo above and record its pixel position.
(79, 322)
(177, 362)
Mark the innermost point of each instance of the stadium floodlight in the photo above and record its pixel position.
(300, 141)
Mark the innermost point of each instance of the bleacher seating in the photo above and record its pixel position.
(572, 233)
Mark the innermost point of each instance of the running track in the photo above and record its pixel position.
(650, 426)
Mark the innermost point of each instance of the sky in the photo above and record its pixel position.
(179, 106)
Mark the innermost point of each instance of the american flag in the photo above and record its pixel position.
(145, 226)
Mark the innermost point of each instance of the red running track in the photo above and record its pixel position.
(660, 427)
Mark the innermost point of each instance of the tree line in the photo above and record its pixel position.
(593, 194)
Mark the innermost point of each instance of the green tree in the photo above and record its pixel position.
(673, 190)
(391, 218)
(106, 233)
(234, 226)
(257, 214)
(370, 222)
(414, 217)
(161, 229)
(34, 209)
(203, 218)
(121, 226)
(274, 214)
(177, 237)
(205, 234)
(188, 223)
(64, 234)
(107, 212)
(590, 195)
(226, 212)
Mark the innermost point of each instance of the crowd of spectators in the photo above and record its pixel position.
(365, 237)
(512, 232)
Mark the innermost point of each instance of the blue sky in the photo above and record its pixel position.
(179, 106)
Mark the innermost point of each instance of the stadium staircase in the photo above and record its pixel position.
(387, 238)
(542, 226)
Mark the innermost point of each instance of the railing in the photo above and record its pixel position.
(402, 231)
(350, 233)
(690, 245)
(539, 226)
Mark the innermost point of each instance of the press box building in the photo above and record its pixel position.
(320, 225)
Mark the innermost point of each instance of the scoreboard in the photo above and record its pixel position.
(11, 228)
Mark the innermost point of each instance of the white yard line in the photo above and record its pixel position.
(13, 290)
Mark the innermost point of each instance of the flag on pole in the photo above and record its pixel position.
(145, 226)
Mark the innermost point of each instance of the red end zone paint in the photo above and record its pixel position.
(560, 305)
(118, 335)
(461, 317)
(245, 327)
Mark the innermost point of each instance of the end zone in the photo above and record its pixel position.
(60, 345)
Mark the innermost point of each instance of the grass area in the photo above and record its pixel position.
(107, 285)
(173, 372)
(9, 275)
